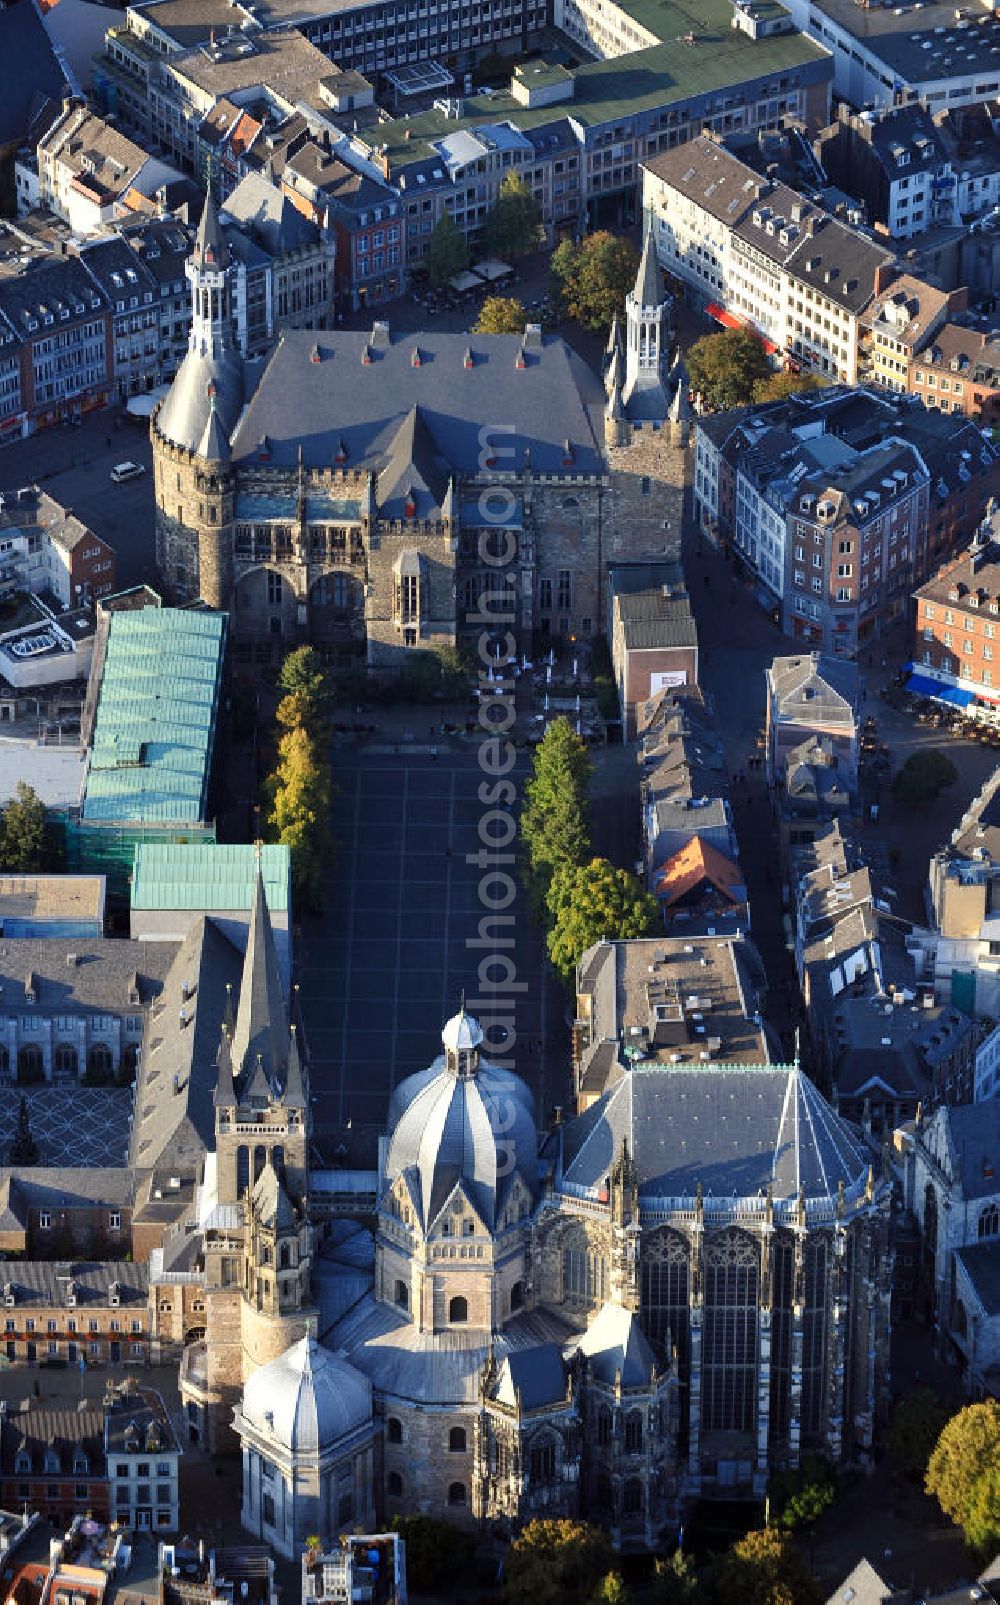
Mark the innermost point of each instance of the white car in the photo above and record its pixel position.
(122, 471)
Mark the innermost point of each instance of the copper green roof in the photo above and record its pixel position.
(211, 876)
(151, 751)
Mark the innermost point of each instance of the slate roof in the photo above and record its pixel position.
(44, 1283)
(970, 1137)
(616, 1345)
(982, 1265)
(554, 398)
(269, 216)
(532, 1378)
(39, 1430)
(28, 69)
(862, 1586)
(733, 1129)
(174, 1113)
(814, 687)
(441, 1368)
(74, 975)
(142, 1412)
(261, 1037)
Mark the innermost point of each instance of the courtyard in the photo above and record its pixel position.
(399, 940)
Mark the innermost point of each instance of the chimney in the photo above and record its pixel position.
(385, 166)
(884, 275)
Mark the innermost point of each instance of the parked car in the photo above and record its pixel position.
(123, 471)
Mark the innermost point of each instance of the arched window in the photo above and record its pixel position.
(402, 1295)
(456, 1493)
(818, 1255)
(284, 1256)
(542, 1462)
(517, 1296)
(65, 1058)
(633, 1433)
(458, 1310)
(729, 1343)
(394, 1429)
(242, 1169)
(632, 1497)
(930, 1234)
(259, 1160)
(989, 1221)
(100, 1060)
(4, 1060)
(585, 1271)
(394, 1485)
(456, 1441)
(30, 1064)
(664, 1306)
(604, 1426)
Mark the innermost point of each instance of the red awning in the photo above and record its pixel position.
(729, 320)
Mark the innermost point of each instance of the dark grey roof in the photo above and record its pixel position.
(110, 262)
(174, 1114)
(268, 215)
(840, 262)
(532, 1378)
(210, 247)
(299, 400)
(139, 1422)
(28, 69)
(616, 1345)
(461, 1131)
(815, 686)
(46, 1282)
(648, 291)
(413, 470)
(260, 1038)
(185, 413)
(48, 287)
(77, 976)
(862, 1586)
(42, 1187)
(971, 1137)
(733, 1129)
(39, 1431)
(982, 1265)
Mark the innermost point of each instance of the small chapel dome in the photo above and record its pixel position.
(307, 1399)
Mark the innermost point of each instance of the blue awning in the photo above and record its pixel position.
(922, 686)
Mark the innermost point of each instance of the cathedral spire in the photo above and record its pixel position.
(210, 247)
(295, 1086)
(225, 1091)
(260, 1039)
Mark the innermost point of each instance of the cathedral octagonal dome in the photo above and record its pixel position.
(462, 1120)
(307, 1399)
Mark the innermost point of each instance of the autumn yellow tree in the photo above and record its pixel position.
(299, 797)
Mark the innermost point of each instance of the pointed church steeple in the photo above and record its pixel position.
(260, 1038)
(225, 1091)
(210, 247)
(296, 1096)
(646, 328)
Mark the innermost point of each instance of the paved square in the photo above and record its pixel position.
(387, 963)
(73, 1126)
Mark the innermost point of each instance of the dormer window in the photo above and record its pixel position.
(52, 1466)
(23, 1463)
(81, 1465)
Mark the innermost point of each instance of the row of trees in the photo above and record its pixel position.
(570, 1563)
(955, 1456)
(582, 898)
(297, 793)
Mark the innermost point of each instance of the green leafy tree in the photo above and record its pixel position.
(556, 1563)
(447, 251)
(435, 675)
(594, 277)
(501, 314)
(593, 901)
(798, 1498)
(436, 1551)
(511, 226)
(304, 680)
(917, 1423)
(725, 368)
(554, 819)
(22, 832)
(923, 777)
(764, 1568)
(779, 385)
(962, 1474)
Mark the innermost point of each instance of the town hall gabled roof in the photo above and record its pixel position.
(357, 394)
(413, 471)
(732, 1130)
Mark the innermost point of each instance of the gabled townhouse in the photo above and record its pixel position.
(759, 254)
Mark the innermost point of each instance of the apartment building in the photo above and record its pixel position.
(46, 549)
(361, 217)
(758, 251)
(96, 1312)
(839, 501)
(958, 625)
(900, 323)
(56, 352)
(87, 168)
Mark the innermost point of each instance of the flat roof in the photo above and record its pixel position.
(55, 772)
(286, 62)
(721, 58)
(151, 750)
(920, 46)
(209, 876)
(43, 897)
